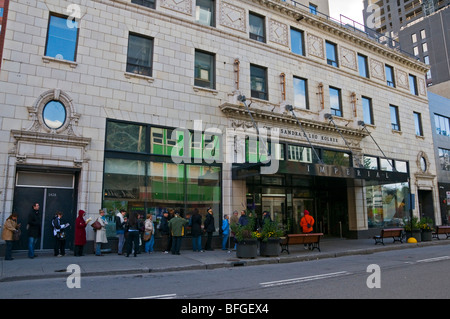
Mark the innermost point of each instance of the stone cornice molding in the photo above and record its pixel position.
(49, 138)
(282, 119)
(342, 32)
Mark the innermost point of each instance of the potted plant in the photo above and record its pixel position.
(246, 238)
(270, 235)
(412, 228)
(425, 226)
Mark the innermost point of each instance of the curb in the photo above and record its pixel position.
(235, 262)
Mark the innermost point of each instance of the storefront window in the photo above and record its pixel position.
(386, 204)
(336, 158)
(154, 183)
(370, 162)
(299, 154)
(125, 137)
(203, 190)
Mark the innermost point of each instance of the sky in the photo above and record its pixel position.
(349, 8)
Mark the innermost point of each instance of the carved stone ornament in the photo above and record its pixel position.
(348, 58)
(377, 69)
(233, 17)
(315, 46)
(183, 6)
(36, 113)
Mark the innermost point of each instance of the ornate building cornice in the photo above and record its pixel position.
(282, 120)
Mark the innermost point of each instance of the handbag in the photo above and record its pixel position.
(147, 236)
(16, 234)
(96, 225)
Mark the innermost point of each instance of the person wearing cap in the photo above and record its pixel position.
(80, 233)
(306, 224)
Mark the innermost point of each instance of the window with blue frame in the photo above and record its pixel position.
(62, 38)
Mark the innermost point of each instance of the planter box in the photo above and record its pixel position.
(416, 234)
(426, 236)
(247, 249)
(270, 248)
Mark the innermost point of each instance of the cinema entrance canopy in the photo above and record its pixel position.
(349, 191)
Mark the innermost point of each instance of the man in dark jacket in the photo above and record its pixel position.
(165, 232)
(209, 228)
(34, 229)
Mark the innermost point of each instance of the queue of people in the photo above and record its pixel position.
(133, 231)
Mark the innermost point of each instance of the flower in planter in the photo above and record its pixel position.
(270, 230)
(425, 224)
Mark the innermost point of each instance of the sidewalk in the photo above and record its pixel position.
(48, 266)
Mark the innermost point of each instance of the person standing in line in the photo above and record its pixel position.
(149, 230)
(34, 229)
(176, 226)
(9, 228)
(234, 220)
(133, 234)
(120, 220)
(196, 231)
(165, 232)
(209, 228)
(243, 220)
(60, 235)
(100, 235)
(306, 224)
(225, 231)
(80, 233)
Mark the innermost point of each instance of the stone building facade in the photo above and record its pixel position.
(91, 93)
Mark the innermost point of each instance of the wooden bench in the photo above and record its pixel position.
(395, 233)
(312, 239)
(442, 230)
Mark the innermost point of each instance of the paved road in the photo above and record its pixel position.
(409, 273)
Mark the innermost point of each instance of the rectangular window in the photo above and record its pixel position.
(444, 159)
(371, 162)
(335, 101)
(299, 154)
(145, 3)
(390, 76)
(395, 121)
(418, 124)
(313, 8)
(125, 137)
(413, 85)
(139, 56)
(336, 158)
(331, 54)
(363, 66)
(423, 34)
(297, 42)
(205, 12)
(62, 37)
(257, 27)
(414, 38)
(442, 125)
(204, 69)
(424, 47)
(386, 165)
(401, 166)
(300, 93)
(258, 79)
(367, 110)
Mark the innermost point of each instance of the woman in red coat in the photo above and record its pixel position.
(80, 233)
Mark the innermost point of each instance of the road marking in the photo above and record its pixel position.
(168, 296)
(303, 279)
(430, 260)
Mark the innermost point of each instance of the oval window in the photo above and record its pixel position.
(54, 114)
(423, 164)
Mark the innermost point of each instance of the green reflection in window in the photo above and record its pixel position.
(125, 137)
